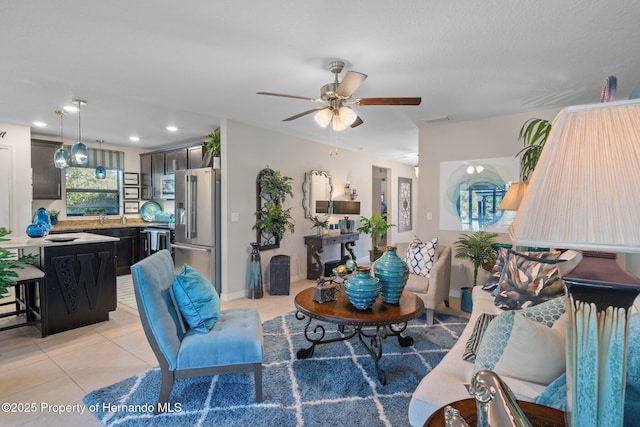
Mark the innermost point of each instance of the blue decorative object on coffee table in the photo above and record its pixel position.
(393, 274)
(362, 288)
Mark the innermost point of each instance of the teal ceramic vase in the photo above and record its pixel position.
(362, 288)
(393, 274)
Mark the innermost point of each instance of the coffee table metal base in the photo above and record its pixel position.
(316, 336)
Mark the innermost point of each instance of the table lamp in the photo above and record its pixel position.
(584, 195)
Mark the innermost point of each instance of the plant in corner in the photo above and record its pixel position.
(212, 143)
(477, 248)
(272, 220)
(377, 226)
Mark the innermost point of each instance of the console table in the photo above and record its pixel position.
(315, 247)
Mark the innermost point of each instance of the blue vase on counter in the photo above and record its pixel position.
(393, 274)
(37, 230)
(362, 288)
(41, 224)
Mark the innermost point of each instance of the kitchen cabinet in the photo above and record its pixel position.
(195, 156)
(146, 184)
(126, 248)
(175, 160)
(46, 179)
(155, 166)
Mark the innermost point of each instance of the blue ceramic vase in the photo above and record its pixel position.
(393, 274)
(42, 217)
(37, 230)
(362, 288)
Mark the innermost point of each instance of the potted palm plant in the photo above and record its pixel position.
(377, 226)
(533, 134)
(212, 147)
(477, 248)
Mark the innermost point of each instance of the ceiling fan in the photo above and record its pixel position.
(336, 97)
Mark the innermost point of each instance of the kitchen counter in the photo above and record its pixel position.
(94, 224)
(42, 242)
(79, 284)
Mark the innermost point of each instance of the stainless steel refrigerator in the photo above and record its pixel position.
(197, 228)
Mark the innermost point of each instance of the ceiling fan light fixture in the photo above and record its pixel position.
(337, 124)
(323, 117)
(347, 115)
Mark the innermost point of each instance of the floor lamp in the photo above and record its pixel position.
(584, 195)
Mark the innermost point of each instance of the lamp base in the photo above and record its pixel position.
(600, 294)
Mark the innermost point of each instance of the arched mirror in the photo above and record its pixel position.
(317, 187)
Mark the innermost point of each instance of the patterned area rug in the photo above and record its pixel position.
(337, 386)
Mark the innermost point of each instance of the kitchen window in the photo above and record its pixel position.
(87, 195)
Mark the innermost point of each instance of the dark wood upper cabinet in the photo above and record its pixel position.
(46, 179)
(175, 160)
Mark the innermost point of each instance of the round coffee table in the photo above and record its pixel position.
(387, 319)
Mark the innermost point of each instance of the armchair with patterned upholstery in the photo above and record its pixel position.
(433, 288)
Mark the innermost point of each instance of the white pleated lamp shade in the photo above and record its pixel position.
(585, 191)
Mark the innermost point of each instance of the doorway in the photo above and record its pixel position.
(381, 200)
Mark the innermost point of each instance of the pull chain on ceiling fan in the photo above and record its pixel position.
(337, 99)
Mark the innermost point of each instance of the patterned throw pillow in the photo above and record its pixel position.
(527, 281)
(421, 256)
(496, 271)
(471, 348)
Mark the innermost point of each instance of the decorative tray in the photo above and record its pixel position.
(61, 239)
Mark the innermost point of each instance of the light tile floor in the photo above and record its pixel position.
(39, 375)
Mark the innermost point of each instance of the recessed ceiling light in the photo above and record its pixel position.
(172, 128)
(40, 124)
(70, 108)
(134, 138)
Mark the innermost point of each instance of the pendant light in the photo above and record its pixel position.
(101, 172)
(79, 151)
(61, 156)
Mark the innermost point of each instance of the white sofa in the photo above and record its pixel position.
(446, 382)
(433, 288)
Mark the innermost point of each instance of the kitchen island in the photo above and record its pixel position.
(79, 286)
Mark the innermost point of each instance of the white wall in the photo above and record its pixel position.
(247, 150)
(477, 139)
(18, 138)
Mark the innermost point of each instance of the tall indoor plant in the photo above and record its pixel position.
(212, 147)
(477, 248)
(376, 226)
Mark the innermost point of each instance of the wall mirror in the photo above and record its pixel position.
(317, 186)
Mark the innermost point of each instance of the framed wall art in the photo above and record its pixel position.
(131, 178)
(131, 207)
(405, 216)
(131, 193)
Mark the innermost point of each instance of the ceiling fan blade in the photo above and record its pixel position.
(358, 122)
(297, 116)
(306, 98)
(388, 101)
(350, 83)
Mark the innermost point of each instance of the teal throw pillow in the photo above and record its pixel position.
(197, 299)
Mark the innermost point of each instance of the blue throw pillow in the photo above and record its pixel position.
(197, 299)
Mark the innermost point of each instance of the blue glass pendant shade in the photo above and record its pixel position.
(79, 154)
(61, 158)
(101, 172)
